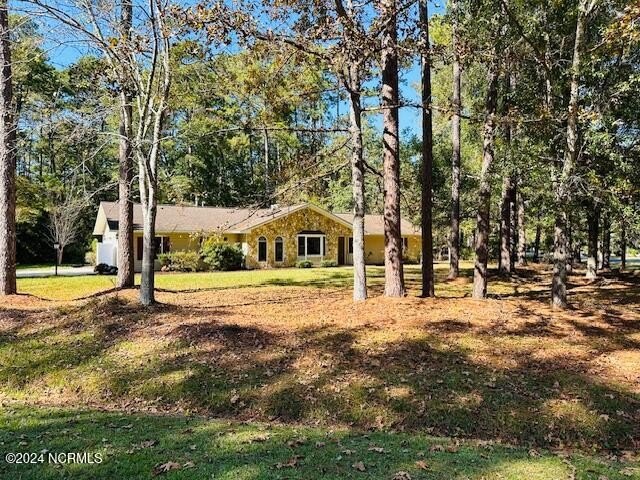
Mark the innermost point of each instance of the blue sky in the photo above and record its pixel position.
(63, 53)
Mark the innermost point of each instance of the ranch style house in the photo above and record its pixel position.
(279, 236)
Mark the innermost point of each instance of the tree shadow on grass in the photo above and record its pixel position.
(455, 379)
(135, 445)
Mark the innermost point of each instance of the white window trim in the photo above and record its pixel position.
(266, 249)
(275, 242)
(322, 238)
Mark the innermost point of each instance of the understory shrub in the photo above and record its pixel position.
(221, 255)
(180, 261)
(329, 263)
(304, 264)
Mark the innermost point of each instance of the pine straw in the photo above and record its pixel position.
(506, 368)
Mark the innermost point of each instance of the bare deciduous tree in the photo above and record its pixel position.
(64, 220)
(143, 70)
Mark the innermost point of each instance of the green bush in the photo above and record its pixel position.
(221, 256)
(180, 261)
(329, 263)
(304, 264)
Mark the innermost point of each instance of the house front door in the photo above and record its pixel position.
(341, 251)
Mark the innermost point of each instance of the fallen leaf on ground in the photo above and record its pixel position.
(291, 463)
(401, 476)
(422, 465)
(165, 467)
(359, 466)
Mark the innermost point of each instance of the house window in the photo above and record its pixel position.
(160, 245)
(350, 249)
(279, 250)
(262, 249)
(311, 245)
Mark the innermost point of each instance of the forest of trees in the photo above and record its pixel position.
(508, 129)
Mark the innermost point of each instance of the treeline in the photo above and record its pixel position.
(527, 146)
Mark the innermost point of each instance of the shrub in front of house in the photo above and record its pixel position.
(304, 264)
(90, 258)
(328, 263)
(221, 256)
(180, 261)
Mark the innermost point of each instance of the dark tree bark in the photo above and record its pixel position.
(563, 189)
(606, 242)
(7, 162)
(428, 282)
(623, 246)
(513, 182)
(353, 83)
(522, 232)
(569, 266)
(484, 195)
(454, 237)
(394, 274)
(265, 155)
(536, 241)
(125, 159)
(577, 256)
(593, 220)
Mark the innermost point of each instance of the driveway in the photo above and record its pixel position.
(50, 271)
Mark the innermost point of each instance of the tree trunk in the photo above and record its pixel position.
(428, 281)
(569, 234)
(357, 182)
(484, 195)
(593, 220)
(623, 246)
(504, 260)
(125, 173)
(454, 237)
(563, 189)
(513, 213)
(606, 242)
(394, 275)
(577, 257)
(536, 242)
(522, 232)
(147, 281)
(7, 162)
(59, 254)
(265, 152)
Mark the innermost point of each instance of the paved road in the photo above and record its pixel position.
(49, 271)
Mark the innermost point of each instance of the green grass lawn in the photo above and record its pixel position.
(140, 446)
(69, 288)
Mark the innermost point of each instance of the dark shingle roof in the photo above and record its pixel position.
(177, 218)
